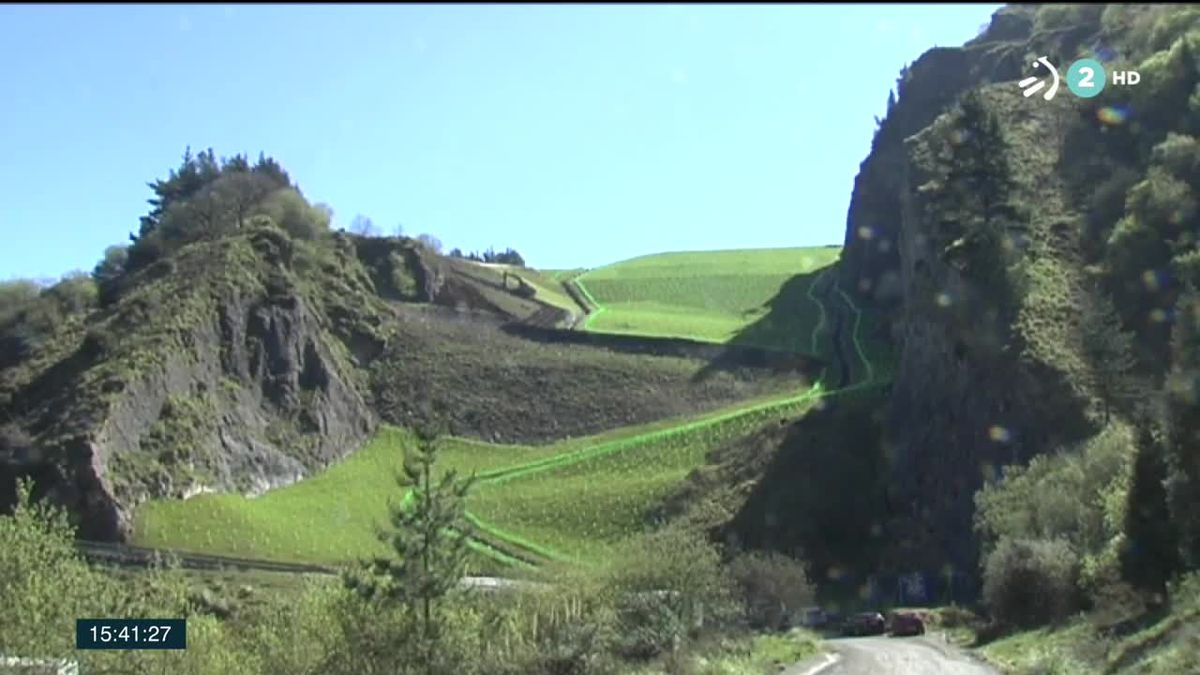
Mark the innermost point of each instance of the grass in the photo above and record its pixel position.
(490, 280)
(329, 518)
(580, 507)
(1166, 645)
(563, 275)
(716, 296)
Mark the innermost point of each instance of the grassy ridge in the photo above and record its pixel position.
(580, 506)
(716, 296)
(330, 517)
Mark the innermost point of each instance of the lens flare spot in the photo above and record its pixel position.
(1158, 315)
(835, 573)
(866, 233)
(1152, 280)
(943, 300)
(864, 284)
(999, 434)
(1113, 115)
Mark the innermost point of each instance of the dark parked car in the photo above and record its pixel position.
(867, 623)
(905, 624)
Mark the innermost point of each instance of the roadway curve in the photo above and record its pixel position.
(893, 656)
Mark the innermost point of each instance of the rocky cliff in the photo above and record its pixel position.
(229, 367)
(976, 389)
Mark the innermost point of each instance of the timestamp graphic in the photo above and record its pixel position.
(131, 634)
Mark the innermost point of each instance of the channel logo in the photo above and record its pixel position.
(1085, 78)
(1032, 85)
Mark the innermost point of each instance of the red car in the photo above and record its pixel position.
(905, 624)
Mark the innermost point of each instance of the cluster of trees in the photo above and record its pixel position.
(205, 199)
(365, 227)
(31, 311)
(507, 257)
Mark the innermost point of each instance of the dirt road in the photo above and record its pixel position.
(891, 656)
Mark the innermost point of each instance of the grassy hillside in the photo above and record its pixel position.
(715, 296)
(575, 498)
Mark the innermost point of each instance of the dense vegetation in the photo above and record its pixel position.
(673, 602)
(1096, 536)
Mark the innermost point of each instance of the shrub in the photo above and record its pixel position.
(671, 585)
(291, 212)
(771, 586)
(15, 296)
(77, 292)
(1028, 583)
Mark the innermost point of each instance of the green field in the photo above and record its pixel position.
(330, 518)
(717, 296)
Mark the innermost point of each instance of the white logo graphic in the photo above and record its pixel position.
(1032, 85)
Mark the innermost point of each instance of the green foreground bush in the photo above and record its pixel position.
(1031, 582)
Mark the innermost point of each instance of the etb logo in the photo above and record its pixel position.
(1085, 78)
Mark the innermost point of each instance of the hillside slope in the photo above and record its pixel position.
(251, 357)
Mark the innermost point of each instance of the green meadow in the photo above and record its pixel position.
(524, 498)
(712, 296)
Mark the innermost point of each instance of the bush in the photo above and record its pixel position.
(771, 587)
(15, 296)
(1070, 495)
(77, 292)
(291, 212)
(671, 585)
(1055, 17)
(1029, 583)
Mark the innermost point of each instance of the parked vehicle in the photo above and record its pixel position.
(866, 623)
(905, 624)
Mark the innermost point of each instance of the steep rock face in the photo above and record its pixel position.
(269, 404)
(971, 392)
(236, 380)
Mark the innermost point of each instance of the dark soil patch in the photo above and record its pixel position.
(497, 386)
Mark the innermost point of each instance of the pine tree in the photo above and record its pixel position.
(1183, 428)
(1109, 350)
(974, 202)
(428, 538)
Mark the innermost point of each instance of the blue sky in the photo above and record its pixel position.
(579, 135)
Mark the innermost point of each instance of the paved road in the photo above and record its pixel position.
(891, 656)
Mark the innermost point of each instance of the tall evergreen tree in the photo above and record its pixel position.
(428, 538)
(974, 199)
(1183, 429)
(1109, 350)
